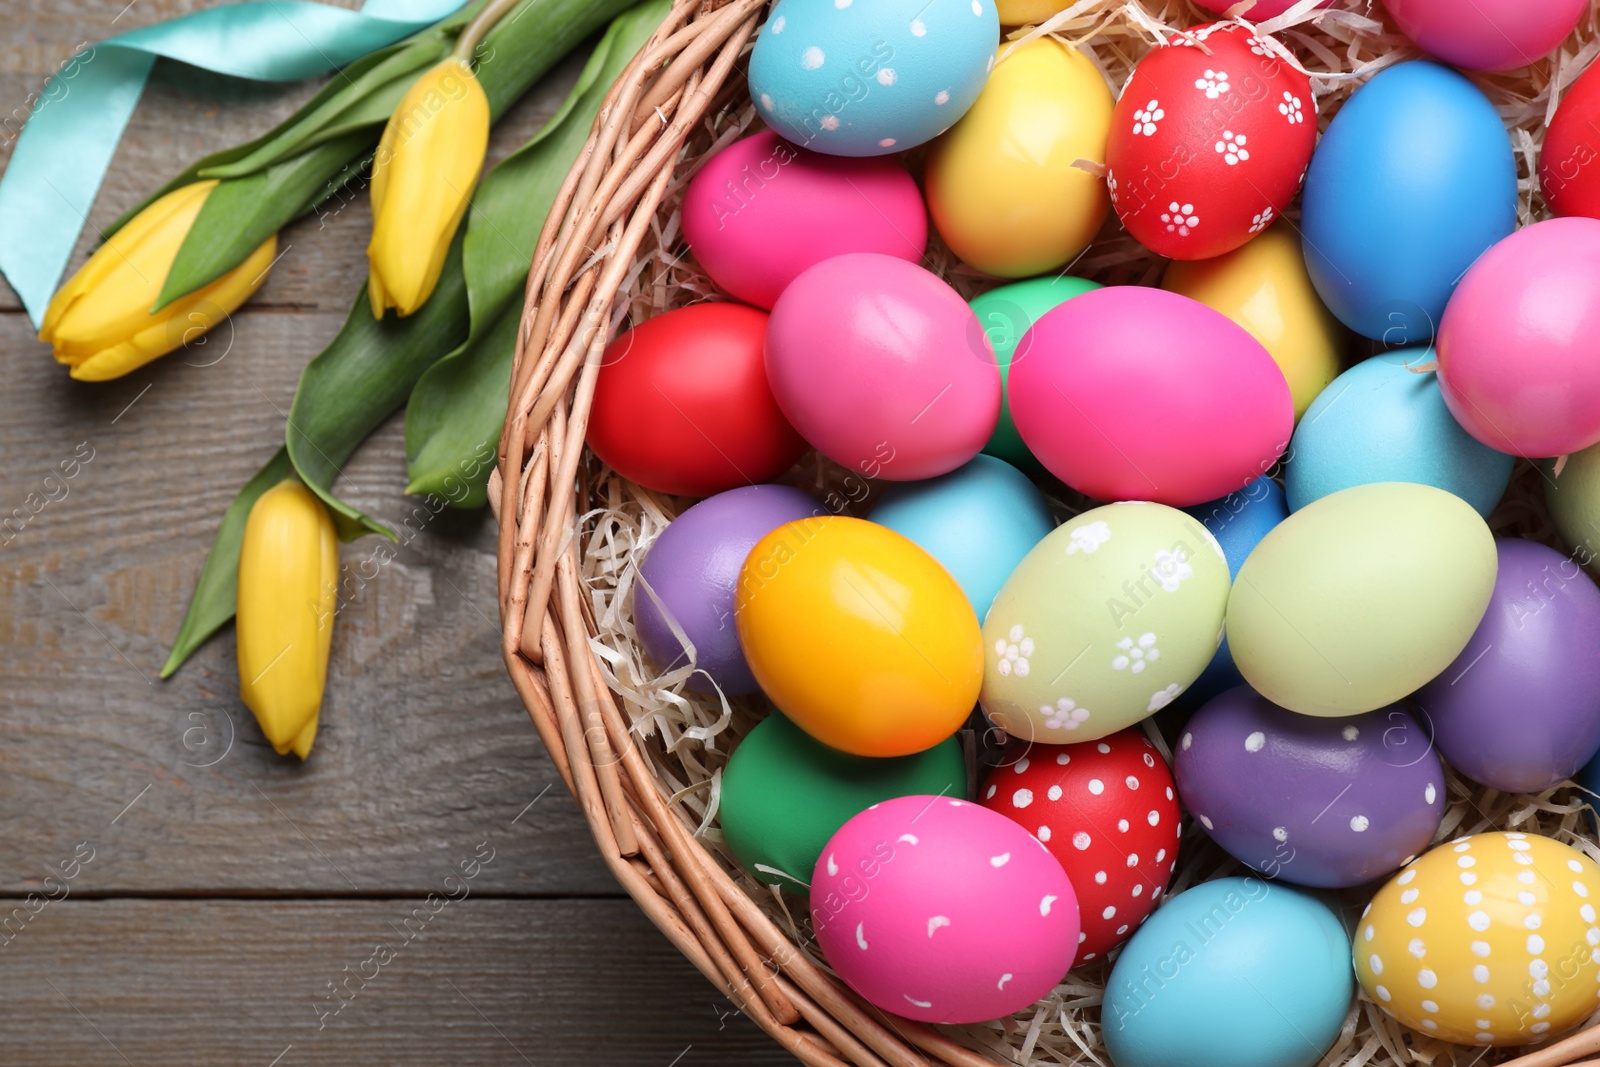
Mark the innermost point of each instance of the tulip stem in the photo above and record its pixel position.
(480, 26)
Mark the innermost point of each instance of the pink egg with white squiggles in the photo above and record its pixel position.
(943, 911)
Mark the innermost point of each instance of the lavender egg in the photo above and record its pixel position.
(693, 569)
(1519, 709)
(1322, 802)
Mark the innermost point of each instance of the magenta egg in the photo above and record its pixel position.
(1487, 34)
(1130, 393)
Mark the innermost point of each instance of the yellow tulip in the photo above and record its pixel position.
(288, 575)
(100, 323)
(423, 175)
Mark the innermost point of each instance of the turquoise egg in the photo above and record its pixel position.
(1238, 972)
(979, 520)
(1380, 421)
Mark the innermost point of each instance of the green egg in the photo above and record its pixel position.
(784, 795)
(1106, 621)
(1360, 598)
(1574, 499)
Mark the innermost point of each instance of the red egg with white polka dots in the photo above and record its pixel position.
(1108, 813)
(1209, 141)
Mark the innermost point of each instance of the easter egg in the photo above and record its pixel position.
(1361, 598)
(1264, 287)
(871, 78)
(1381, 421)
(859, 636)
(682, 404)
(1103, 623)
(689, 576)
(1573, 496)
(1487, 34)
(1488, 940)
(1123, 393)
(943, 911)
(1108, 813)
(1533, 652)
(1023, 12)
(761, 211)
(1014, 213)
(979, 520)
(1005, 315)
(1209, 141)
(1324, 802)
(1516, 349)
(784, 795)
(1569, 160)
(1235, 972)
(1395, 210)
(883, 367)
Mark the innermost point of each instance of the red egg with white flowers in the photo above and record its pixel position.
(1108, 812)
(1209, 141)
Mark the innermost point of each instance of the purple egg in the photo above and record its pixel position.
(1519, 709)
(693, 567)
(1323, 802)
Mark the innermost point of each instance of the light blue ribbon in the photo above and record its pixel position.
(64, 150)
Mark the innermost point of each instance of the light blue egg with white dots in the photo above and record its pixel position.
(870, 77)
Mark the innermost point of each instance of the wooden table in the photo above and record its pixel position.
(220, 890)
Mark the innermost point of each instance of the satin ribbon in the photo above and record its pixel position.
(64, 150)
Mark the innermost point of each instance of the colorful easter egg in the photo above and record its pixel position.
(1105, 622)
(1014, 213)
(1360, 598)
(1108, 813)
(872, 78)
(1488, 940)
(682, 404)
(1323, 802)
(688, 581)
(1516, 350)
(1396, 210)
(1209, 141)
(942, 911)
(1533, 652)
(1487, 34)
(1383, 421)
(1264, 287)
(883, 367)
(1569, 160)
(761, 211)
(979, 520)
(1131, 393)
(784, 795)
(1236, 972)
(859, 636)
(1573, 496)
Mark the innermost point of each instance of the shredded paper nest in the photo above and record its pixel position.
(688, 737)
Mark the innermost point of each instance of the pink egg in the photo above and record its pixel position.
(1516, 348)
(762, 210)
(1129, 393)
(943, 911)
(883, 367)
(1487, 34)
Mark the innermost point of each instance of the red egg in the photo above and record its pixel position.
(1209, 142)
(1569, 165)
(1108, 812)
(682, 404)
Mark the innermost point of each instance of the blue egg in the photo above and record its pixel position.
(979, 521)
(1412, 181)
(1381, 422)
(874, 76)
(1238, 972)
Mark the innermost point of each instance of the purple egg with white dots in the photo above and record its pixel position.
(1321, 802)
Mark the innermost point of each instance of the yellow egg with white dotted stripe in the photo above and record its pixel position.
(1487, 940)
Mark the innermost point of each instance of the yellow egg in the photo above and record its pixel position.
(1264, 287)
(859, 636)
(1487, 940)
(1001, 185)
(1024, 12)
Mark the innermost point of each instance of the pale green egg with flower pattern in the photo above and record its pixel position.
(1105, 622)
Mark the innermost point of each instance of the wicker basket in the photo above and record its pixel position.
(608, 220)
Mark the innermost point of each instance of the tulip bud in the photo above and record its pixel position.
(426, 167)
(288, 575)
(100, 323)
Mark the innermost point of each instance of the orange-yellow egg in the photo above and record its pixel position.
(859, 636)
